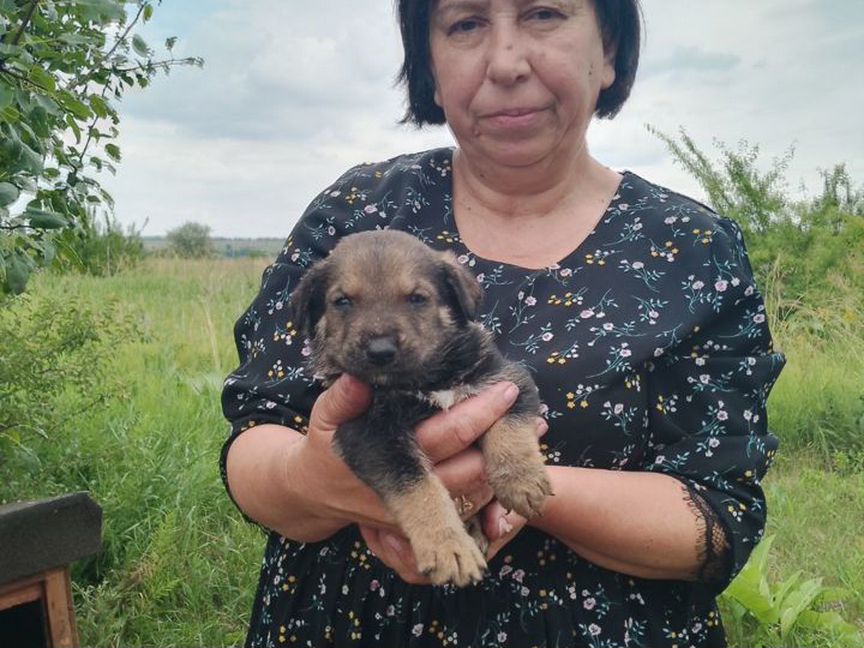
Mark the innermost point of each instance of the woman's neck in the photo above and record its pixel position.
(529, 216)
(527, 191)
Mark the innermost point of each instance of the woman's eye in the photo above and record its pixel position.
(544, 15)
(417, 299)
(464, 26)
(342, 302)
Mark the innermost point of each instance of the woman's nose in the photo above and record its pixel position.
(507, 56)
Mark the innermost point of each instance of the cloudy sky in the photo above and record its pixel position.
(293, 93)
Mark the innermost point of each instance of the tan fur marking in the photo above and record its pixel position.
(444, 550)
(515, 467)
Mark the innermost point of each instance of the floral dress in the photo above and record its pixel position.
(650, 347)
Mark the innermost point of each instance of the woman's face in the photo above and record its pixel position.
(518, 80)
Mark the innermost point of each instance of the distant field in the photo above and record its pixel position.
(228, 247)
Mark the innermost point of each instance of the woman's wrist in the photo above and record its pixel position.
(305, 487)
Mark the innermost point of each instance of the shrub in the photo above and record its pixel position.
(104, 250)
(53, 346)
(191, 241)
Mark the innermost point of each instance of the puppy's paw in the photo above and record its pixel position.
(520, 482)
(449, 556)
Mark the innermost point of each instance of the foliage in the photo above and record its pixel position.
(53, 347)
(768, 612)
(105, 249)
(63, 65)
(735, 188)
(191, 241)
(808, 256)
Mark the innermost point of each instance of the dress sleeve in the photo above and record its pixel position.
(708, 396)
(272, 383)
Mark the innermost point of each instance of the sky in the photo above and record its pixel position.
(294, 93)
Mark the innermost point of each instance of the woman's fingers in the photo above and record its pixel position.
(453, 430)
(346, 399)
(395, 552)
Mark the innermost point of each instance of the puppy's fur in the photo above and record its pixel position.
(400, 316)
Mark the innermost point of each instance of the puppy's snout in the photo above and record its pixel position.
(381, 350)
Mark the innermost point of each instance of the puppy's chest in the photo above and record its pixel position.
(446, 398)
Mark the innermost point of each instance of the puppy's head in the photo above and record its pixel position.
(383, 307)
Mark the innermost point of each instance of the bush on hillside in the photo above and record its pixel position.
(191, 241)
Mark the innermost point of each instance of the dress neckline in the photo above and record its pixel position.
(463, 247)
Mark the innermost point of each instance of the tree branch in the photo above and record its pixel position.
(26, 22)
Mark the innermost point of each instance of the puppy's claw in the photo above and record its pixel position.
(525, 494)
(457, 559)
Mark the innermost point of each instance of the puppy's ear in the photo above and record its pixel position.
(460, 288)
(307, 299)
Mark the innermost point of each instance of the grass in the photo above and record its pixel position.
(178, 565)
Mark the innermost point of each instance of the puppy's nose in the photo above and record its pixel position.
(381, 350)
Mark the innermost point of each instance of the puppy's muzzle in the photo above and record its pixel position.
(381, 350)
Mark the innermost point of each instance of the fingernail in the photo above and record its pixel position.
(504, 527)
(542, 428)
(510, 394)
(394, 543)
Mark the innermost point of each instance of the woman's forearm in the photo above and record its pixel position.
(635, 523)
(266, 479)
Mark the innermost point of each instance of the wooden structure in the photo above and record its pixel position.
(38, 542)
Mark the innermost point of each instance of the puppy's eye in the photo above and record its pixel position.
(416, 299)
(342, 303)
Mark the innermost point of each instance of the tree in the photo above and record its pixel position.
(63, 64)
(191, 241)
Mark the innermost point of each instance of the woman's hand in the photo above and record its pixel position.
(394, 550)
(451, 435)
(333, 490)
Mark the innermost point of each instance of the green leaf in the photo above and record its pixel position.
(70, 103)
(148, 12)
(99, 106)
(7, 94)
(17, 275)
(8, 193)
(169, 43)
(831, 622)
(113, 152)
(140, 46)
(40, 219)
(42, 78)
(796, 602)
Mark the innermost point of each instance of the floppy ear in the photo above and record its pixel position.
(307, 299)
(460, 288)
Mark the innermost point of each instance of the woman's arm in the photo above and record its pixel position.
(294, 484)
(638, 523)
(297, 486)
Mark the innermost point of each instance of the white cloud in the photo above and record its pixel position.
(292, 94)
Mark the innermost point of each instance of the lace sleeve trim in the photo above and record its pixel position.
(713, 546)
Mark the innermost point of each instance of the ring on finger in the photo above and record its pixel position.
(463, 504)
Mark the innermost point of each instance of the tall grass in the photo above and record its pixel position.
(178, 565)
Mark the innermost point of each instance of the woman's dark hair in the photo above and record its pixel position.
(620, 25)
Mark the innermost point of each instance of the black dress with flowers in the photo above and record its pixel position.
(650, 348)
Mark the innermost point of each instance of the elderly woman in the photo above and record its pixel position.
(633, 306)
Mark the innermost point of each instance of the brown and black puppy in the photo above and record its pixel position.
(400, 316)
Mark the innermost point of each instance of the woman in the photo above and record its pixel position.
(634, 307)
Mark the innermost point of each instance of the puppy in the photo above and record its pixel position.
(400, 316)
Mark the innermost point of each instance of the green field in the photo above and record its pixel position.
(178, 565)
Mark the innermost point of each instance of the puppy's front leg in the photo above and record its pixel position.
(389, 461)
(444, 550)
(514, 465)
